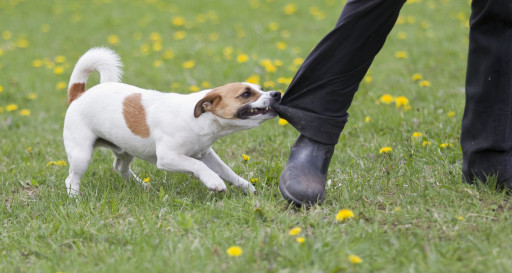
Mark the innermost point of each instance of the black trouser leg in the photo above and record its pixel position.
(486, 137)
(321, 92)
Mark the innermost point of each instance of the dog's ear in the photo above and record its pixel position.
(206, 104)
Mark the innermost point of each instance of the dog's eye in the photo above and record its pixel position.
(246, 94)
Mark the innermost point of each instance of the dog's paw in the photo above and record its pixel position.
(215, 184)
(250, 188)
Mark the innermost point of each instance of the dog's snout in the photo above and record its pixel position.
(275, 95)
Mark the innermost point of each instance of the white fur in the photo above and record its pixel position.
(178, 141)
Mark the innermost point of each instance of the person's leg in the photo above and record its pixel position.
(321, 92)
(486, 136)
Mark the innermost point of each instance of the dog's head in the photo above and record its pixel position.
(243, 103)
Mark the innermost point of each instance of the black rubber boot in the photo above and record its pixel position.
(303, 179)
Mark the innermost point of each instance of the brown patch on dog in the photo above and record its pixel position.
(135, 115)
(75, 91)
(224, 101)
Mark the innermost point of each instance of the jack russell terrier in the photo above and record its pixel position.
(173, 131)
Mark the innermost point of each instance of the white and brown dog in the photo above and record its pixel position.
(173, 131)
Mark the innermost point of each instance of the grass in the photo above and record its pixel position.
(412, 212)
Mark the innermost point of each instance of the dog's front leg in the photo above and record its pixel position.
(180, 163)
(213, 161)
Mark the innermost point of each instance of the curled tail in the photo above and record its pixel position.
(100, 59)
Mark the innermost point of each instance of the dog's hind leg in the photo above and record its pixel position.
(122, 165)
(79, 152)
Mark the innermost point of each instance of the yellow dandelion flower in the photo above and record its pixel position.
(157, 63)
(401, 35)
(344, 214)
(6, 35)
(179, 35)
(194, 88)
(401, 101)
(460, 218)
(368, 79)
(157, 47)
(234, 251)
(385, 150)
(22, 43)
(411, 19)
(416, 77)
(444, 145)
(294, 231)
(1, 52)
(282, 122)
(300, 240)
(254, 78)
(273, 26)
(290, 9)
(214, 36)
(254, 180)
(450, 114)
(354, 259)
(113, 39)
(60, 59)
(245, 157)
(61, 85)
(58, 70)
(283, 80)
(1, 89)
(242, 58)
(401, 55)
(416, 134)
(386, 98)
(155, 37)
(25, 112)
(146, 180)
(397, 209)
(168, 54)
(281, 45)
(11, 107)
(178, 21)
(56, 163)
(189, 64)
(37, 63)
(268, 65)
(29, 149)
(426, 143)
(269, 84)
(206, 84)
(298, 61)
(367, 119)
(425, 83)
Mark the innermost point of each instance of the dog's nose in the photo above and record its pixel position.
(275, 95)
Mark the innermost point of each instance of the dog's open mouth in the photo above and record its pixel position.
(249, 112)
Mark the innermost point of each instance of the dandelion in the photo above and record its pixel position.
(283, 80)
(157, 63)
(168, 54)
(269, 84)
(281, 45)
(444, 145)
(282, 122)
(146, 180)
(254, 180)
(194, 88)
(416, 134)
(273, 26)
(178, 21)
(425, 83)
(385, 150)
(58, 70)
(56, 163)
(37, 63)
(386, 98)
(206, 84)
(268, 65)
(234, 251)
(1, 89)
(179, 35)
(11, 107)
(246, 157)
(29, 149)
(242, 58)
(254, 78)
(61, 85)
(290, 9)
(157, 47)
(397, 209)
(354, 259)
(344, 214)
(300, 240)
(367, 119)
(401, 35)
(6, 35)
(416, 77)
(401, 101)
(460, 218)
(401, 55)
(189, 64)
(60, 59)
(426, 143)
(450, 114)
(25, 112)
(368, 79)
(294, 231)
(22, 43)
(113, 39)
(214, 36)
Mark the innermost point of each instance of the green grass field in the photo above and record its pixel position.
(412, 212)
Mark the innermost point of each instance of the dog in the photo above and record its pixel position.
(173, 131)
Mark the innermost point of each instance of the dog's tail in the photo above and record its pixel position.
(100, 59)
